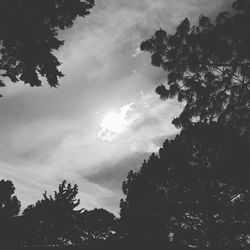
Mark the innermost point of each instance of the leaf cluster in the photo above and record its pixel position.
(208, 66)
(97, 224)
(29, 37)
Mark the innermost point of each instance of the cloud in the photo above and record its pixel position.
(114, 124)
(111, 174)
(145, 119)
(137, 52)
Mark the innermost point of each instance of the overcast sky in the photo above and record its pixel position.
(105, 117)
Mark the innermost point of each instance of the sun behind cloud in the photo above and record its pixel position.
(115, 123)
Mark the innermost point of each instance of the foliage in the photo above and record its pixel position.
(9, 204)
(97, 224)
(29, 37)
(208, 66)
(195, 193)
(52, 220)
(9, 209)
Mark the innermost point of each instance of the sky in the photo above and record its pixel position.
(105, 117)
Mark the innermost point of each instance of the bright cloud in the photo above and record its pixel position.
(137, 52)
(114, 124)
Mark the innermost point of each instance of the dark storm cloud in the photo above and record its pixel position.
(112, 174)
(158, 141)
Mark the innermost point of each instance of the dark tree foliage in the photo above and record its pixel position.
(208, 66)
(9, 204)
(28, 37)
(52, 220)
(97, 224)
(195, 193)
(9, 209)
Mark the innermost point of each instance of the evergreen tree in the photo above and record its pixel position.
(208, 66)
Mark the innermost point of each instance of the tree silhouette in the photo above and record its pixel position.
(52, 220)
(28, 36)
(97, 224)
(9, 204)
(208, 66)
(195, 193)
(9, 209)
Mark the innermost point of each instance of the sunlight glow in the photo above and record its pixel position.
(115, 123)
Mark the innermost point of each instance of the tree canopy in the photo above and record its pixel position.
(29, 36)
(52, 220)
(195, 193)
(208, 66)
(97, 224)
(9, 209)
(9, 204)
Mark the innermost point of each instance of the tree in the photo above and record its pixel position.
(195, 193)
(9, 204)
(9, 209)
(52, 220)
(97, 224)
(208, 66)
(29, 36)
